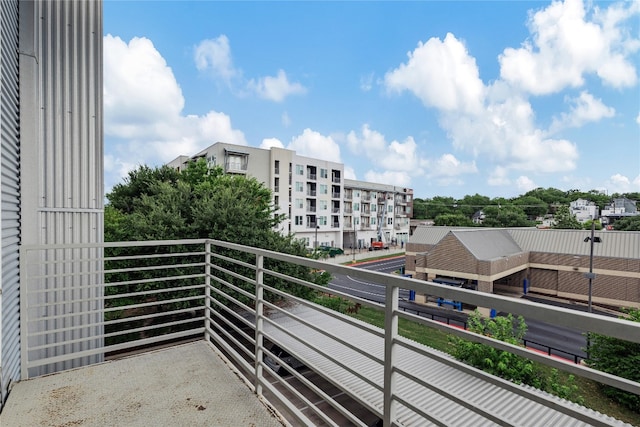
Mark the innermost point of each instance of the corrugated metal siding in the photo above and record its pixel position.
(10, 197)
(65, 198)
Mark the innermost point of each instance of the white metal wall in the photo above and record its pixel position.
(10, 198)
(62, 144)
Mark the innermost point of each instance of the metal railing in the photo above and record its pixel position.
(82, 303)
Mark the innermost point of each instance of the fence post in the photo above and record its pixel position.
(390, 336)
(259, 322)
(207, 291)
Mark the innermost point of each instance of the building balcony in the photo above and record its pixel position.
(335, 195)
(335, 225)
(311, 193)
(335, 179)
(335, 210)
(182, 333)
(311, 208)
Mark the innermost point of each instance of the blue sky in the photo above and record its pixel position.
(449, 98)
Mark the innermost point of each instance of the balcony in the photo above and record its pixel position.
(335, 195)
(311, 193)
(335, 179)
(335, 225)
(311, 176)
(82, 305)
(311, 208)
(335, 210)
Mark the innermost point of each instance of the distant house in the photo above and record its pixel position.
(619, 208)
(583, 210)
(478, 217)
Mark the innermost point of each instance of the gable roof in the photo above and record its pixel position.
(492, 243)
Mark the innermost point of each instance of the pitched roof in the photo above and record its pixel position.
(491, 243)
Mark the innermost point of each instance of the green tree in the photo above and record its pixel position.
(440, 205)
(419, 208)
(469, 205)
(453, 220)
(505, 216)
(620, 358)
(498, 362)
(587, 224)
(628, 224)
(533, 206)
(565, 219)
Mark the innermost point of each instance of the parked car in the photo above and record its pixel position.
(285, 357)
(330, 250)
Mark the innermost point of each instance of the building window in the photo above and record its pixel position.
(299, 186)
(298, 220)
(276, 201)
(323, 205)
(323, 188)
(373, 208)
(276, 167)
(299, 170)
(323, 173)
(373, 220)
(322, 220)
(357, 194)
(276, 185)
(389, 208)
(390, 221)
(356, 221)
(299, 203)
(356, 207)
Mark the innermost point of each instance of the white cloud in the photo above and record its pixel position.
(349, 172)
(366, 82)
(584, 109)
(143, 111)
(525, 184)
(619, 183)
(286, 120)
(499, 177)
(441, 74)
(448, 166)
(398, 178)
(215, 55)
(275, 88)
(267, 143)
(566, 44)
(313, 144)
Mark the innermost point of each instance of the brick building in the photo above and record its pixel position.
(551, 262)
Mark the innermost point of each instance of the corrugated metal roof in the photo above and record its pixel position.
(490, 243)
(431, 235)
(487, 244)
(615, 244)
(511, 407)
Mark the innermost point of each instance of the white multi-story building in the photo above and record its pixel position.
(374, 212)
(583, 210)
(317, 202)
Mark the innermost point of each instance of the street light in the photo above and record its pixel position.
(590, 275)
(316, 244)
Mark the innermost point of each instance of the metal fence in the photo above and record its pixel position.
(81, 303)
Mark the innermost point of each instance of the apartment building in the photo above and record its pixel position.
(319, 205)
(375, 212)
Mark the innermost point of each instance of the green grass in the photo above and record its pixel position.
(434, 338)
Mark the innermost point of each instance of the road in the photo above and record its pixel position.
(564, 342)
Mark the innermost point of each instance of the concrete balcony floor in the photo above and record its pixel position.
(183, 385)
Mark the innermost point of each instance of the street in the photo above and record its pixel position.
(563, 342)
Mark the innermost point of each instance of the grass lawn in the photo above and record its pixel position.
(589, 390)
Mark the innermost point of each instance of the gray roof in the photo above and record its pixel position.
(488, 244)
(491, 243)
(510, 406)
(615, 244)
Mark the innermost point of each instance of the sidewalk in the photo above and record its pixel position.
(363, 254)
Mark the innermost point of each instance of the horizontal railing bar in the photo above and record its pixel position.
(154, 292)
(231, 312)
(154, 280)
(232, 286)
(153, 256)
(110, 334)
(232, 273)
(232, 260)
(230, 298)
(152, 303)
(617, 328)
(297, 393)
(319, 351)
(573, 368)
(347, 319)
(106, 322)
(155, 268)
(64, 263)
(111, 348)
(238, 330)
(123, 244)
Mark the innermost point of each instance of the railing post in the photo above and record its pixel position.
(259, 322)
(207, 291)
(390, 336)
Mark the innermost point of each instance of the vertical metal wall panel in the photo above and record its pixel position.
(62, 199)
(9, 198)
